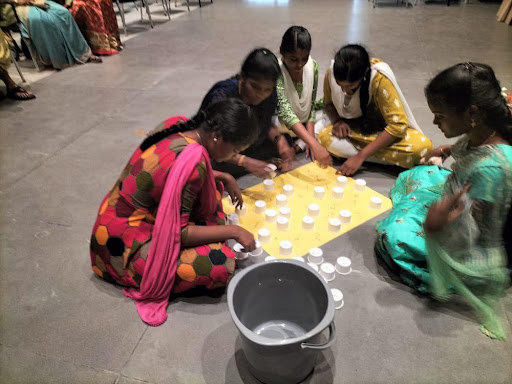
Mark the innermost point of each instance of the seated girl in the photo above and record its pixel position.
(161, 228)
(296, 93)
(445, 233)
(54, 35)
(366, 116)
(256, 87)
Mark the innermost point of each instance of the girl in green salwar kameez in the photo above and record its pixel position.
(445, 233)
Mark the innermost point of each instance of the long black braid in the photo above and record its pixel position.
(233, 119)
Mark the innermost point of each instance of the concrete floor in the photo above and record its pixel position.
(62, 152)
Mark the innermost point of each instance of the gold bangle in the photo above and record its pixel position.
(241, 160)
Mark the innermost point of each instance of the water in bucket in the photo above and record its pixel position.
(279, 330)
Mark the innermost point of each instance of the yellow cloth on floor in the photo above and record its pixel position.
(304, 179)
(404, 153)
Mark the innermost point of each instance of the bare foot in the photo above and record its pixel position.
(95, 59)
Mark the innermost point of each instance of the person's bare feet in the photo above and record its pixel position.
(95, 59)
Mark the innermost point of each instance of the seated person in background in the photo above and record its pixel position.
(296, 93)
(445, 233)
(98, 22)
(53, 33)
(14, 91)
(161, 228)
(370, 118)
(255, 86)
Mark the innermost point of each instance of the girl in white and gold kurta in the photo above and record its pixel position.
(366, 117)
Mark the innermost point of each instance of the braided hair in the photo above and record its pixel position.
(466, 84)
(233, 119)
(352, 63)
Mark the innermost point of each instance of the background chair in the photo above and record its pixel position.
(143, 4)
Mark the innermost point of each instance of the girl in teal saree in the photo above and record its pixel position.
(445, 234)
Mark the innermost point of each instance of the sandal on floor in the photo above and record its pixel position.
(19, 93)
(95, 59)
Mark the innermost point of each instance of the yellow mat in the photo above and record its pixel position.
(304, 179)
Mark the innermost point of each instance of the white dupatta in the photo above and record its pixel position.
(300, 106)
(350, 108)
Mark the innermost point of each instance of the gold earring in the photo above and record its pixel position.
(215, 139)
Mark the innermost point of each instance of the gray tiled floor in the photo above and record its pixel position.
(62, 151)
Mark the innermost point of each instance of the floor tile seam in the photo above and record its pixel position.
(135, 348)
(131, 378)
(60, 360)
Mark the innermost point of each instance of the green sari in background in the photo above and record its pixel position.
(467, 257)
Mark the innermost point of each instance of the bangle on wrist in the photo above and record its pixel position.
(241, 161)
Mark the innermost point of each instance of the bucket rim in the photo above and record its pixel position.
(326, 320)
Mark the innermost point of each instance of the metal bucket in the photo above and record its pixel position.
(280, 309)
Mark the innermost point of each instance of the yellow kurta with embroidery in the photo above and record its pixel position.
(386, 113)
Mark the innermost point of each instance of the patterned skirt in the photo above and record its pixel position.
(98, 23)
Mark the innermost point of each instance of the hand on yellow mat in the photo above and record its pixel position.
(233, 190)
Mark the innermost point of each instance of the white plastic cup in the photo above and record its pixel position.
(260, 206)
(337, 193)
(233, 219)
(319, 192)
(285, 248)
(343, 265)
(337, 295)
(239, 253)
(316, 256)
(313, 210)
(375, 202)
(288, 190)
(270, 215)
(258, 250)
(241, 211)
(264, 235)
(285, 212)
(281, 200)
(268, 185)
(345, 216)
(334, 225)
(308, 223)
(328, 271)
(341, 181)
(282, 223)
(360, 185)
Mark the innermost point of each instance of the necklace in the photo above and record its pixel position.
(198, 136)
